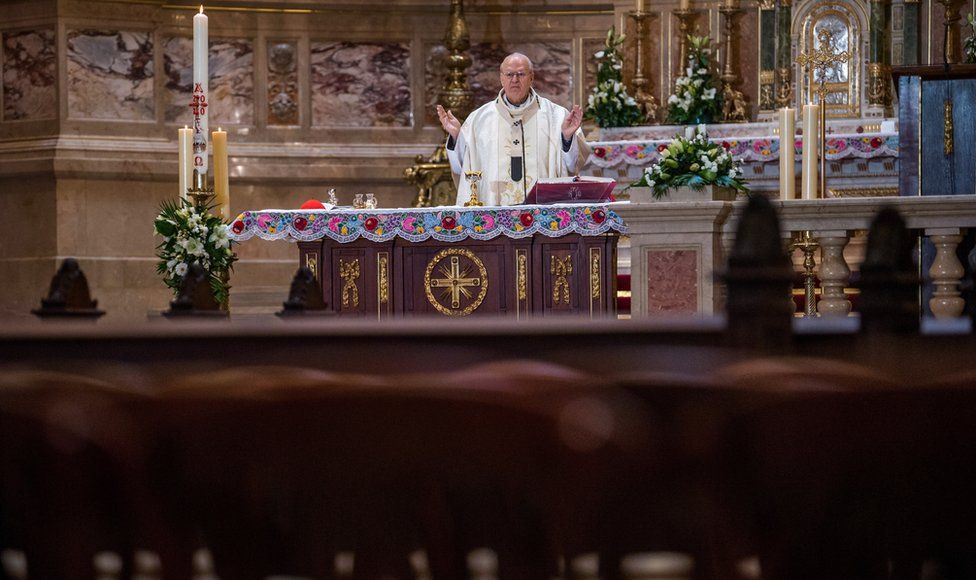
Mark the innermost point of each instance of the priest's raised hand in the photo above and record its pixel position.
(451, 123)
(571, 123)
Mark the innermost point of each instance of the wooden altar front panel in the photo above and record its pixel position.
(534, 276)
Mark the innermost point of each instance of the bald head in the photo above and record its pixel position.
(517, 76)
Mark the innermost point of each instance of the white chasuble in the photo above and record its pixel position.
(513, 147)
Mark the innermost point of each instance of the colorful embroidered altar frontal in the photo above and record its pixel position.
(759, 149)
(417, 225)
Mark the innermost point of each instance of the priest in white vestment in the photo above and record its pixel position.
(515, 140)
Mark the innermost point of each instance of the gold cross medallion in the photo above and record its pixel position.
(462, 275)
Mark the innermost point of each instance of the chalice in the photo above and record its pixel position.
(473, 177)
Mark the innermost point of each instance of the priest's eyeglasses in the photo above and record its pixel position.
(515, 75)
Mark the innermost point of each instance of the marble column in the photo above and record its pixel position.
(946, 271)
(879, 59)
(767, 59)
(834, 273)
(911, 47)
(784, 53)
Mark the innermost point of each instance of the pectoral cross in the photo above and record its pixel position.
(455, 282)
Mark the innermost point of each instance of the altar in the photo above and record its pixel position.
(518, 261)
(862, 154)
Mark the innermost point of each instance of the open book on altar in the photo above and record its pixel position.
(571, 190)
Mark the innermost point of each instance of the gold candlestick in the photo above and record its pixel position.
(644, 97)
(950, 45)
(201, 193)
(806, 242)
(819, 59)
(686, 17)
(733, 101)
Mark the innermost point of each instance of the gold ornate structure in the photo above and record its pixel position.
(463, 274)
(805, 242)
(560, 269)
(349, 273)
(642, 90)
(878, 83)
(784, 94)
(473, 177)
(456, 96)
(841, 78)
(733, 101)
(950, 47)
(432, 175)
(821, 58)
(201, 193)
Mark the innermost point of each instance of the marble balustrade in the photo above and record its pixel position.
(678, 248)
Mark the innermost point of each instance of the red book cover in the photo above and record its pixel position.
(571, 190)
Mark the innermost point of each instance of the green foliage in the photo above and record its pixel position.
(191, 236)
(609, 104)
(696, 99)
(694, 161)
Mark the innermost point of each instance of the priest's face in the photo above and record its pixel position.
(517, 76)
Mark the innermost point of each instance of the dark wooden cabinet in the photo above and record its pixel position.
(532, 276)
(936, 129)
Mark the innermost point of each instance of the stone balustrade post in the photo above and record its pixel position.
(946, 272)
(834, 273)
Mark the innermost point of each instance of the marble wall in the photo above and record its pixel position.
(361, 84)
(552, 61)
(110, 75)
(29, 75)
(231, 66)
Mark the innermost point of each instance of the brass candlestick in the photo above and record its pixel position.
(201, 193)
(950, 45)
(819, 59)
(685, 20)
(805, 241)
(645, 99)
(456, 96)
(733, 101)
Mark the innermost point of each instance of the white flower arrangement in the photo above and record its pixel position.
(191, 236)
(693, 161)
(609, 105)
(695, 99)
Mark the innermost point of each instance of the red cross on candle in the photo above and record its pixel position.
(199, 104)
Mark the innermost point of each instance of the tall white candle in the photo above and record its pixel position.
(811, 148)
(639, 5)
(685, 4)
(221, 176)
(186, 160)
(201, 88)
(787, 156)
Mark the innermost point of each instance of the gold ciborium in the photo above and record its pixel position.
(473, 177)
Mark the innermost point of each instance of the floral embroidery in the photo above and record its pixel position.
(345, 225)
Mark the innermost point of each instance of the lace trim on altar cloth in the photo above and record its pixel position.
(417, 225)
(612, 153)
